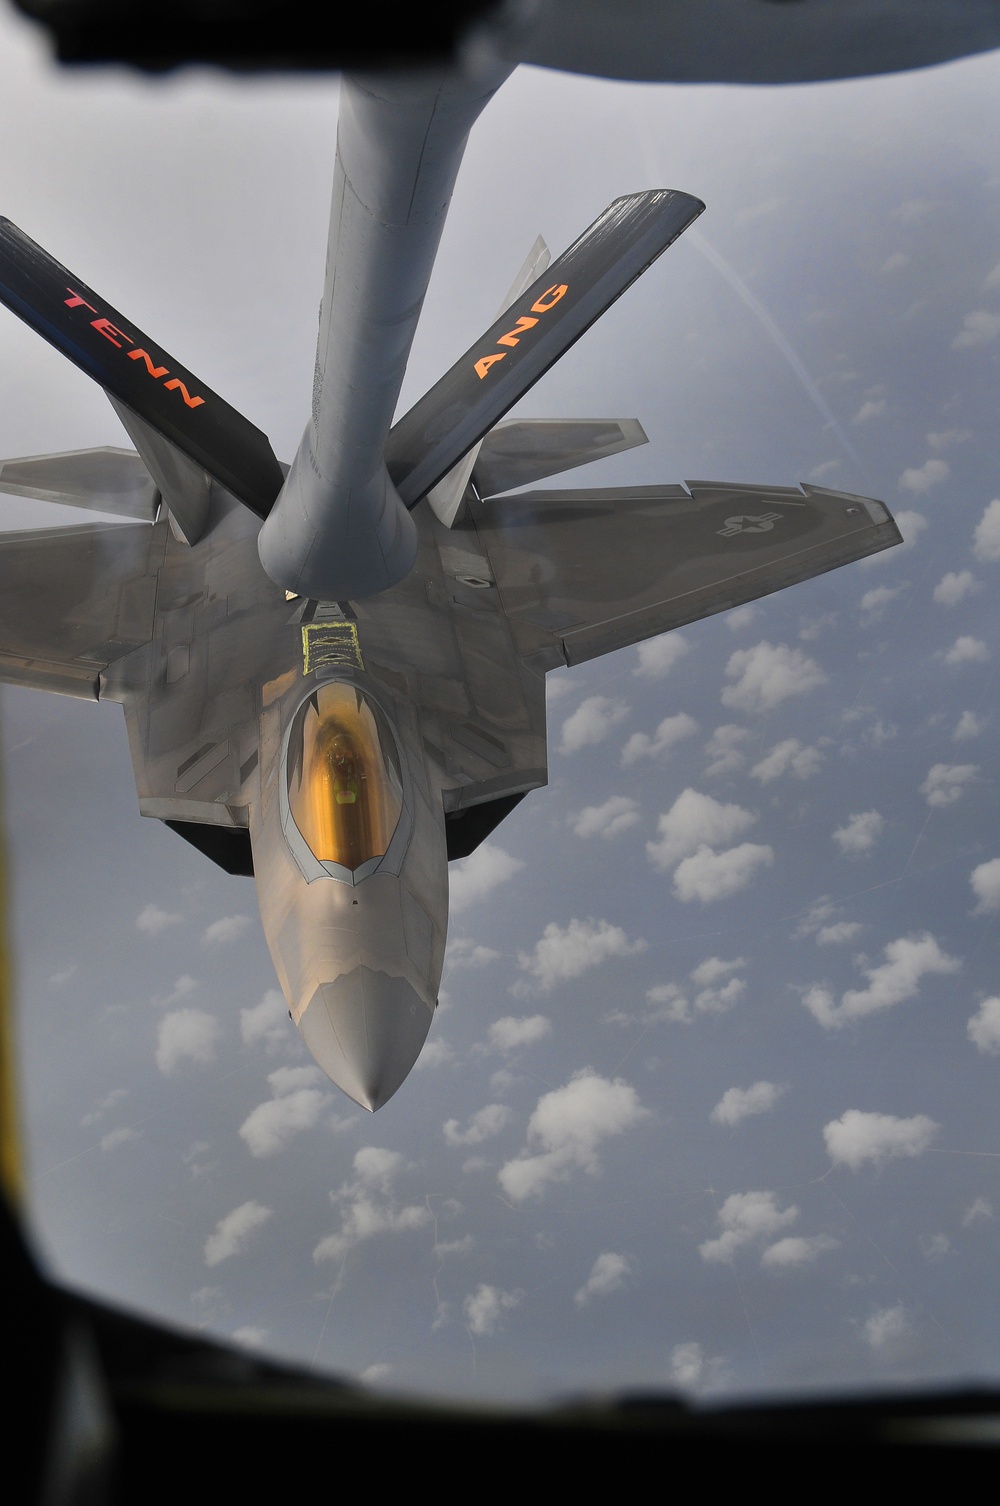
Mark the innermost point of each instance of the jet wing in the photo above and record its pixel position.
(73, 600)
(581, 573)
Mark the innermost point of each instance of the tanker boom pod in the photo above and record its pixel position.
(344, 699)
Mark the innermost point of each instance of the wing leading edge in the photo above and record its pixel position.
(582, 573)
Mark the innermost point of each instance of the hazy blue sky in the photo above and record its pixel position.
(711, 1101)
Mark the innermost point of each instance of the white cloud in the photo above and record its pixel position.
(608, 820)
(669, 1003)
(911, 525)
(987, 538)
(886, 1327)
(737, 1104)
(591, 722)
(984, 1027)
(745, 1217)
(945, 438)
(489, 1121)
(464, 952)
(479, 874)
(658, 656)
(936, 1247)
(738, 618)
(908, 960)
(895, 262)
(921, 478)
(945, 782)
(841, 930)
(296, 1106)
(437, 1053)
(511, 1032)
(374, 1375)
(788, 757)
(968, 726)
(228, 928)
(566, 1129)
(692, 1370)
(186, 1035)
(874, 602)
(978, 1210)
(673, 729)
(768, 674)
(233, 1233)
(954, 587)
(607, 1275)
(708, 876)
(109, 1102)
(693, 821)
(980, 327)
(992, 279)
(714, 968)
(723, 750)
(719, 1000)
(151, 920)
(967, 650)
(562, 954)
(250, 1337)
(795, 1251)
(857, 1137)
(873, 408)
(117, 1137)
(265, 1024)
(368, 1205)
(485, 1307)
(860, 834)
(985, 881)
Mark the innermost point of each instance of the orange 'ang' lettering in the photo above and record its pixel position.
(192, 402)
(485, 362)
(514, 335)
(154, 371)
(549, 298)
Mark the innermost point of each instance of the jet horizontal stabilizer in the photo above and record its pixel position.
(103, 479)
(135, 372)
(537, 328)
(521, 451)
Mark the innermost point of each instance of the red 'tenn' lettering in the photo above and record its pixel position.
(112, 332)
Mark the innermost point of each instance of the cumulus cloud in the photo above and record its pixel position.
(708, 876)
(694, 821)
(984, 1027)
(873, 408)
(768, 674)
(981, 327)
(898, 978)
(151, 920)
(978, 1210)
(745, 1217)
(788, 757)
(485, 1307)
(723, 750)
(117, 1137)
(886, 1327)
(568, 1126)
(874, 602)
(841, 930)
(225, 930)
(658, 656)
(967, 650)
(591, 722)
(968, 725)
(714, 968)
(986, 546)
(565, 953)
(669, 1002)
(479, 874)
(108, 1102)
(737, 1104)
(985, 881)
(607, 1275)
(860, 834)
(511, 1032)
(693, 1370)
(233, 1233)
(945, 782)
(608, 820)
(796, 1251)
(858, 1137)
(739, 618)
(296, 1106)
(673, 729)
(921, 478)
(463, 952)
(186, 1035)
(368, 1205)
(251, 1337)
(483, 1125)
(265, 1024)
(954, 587)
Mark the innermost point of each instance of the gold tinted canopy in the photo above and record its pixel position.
(344, 788)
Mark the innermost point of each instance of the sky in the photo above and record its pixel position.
(710, 1101)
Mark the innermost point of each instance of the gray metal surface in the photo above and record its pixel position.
(524, 450)
(110, 479)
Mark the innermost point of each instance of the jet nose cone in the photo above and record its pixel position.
(365, 1031)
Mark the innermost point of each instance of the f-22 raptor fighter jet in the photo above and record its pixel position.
(333, 673)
